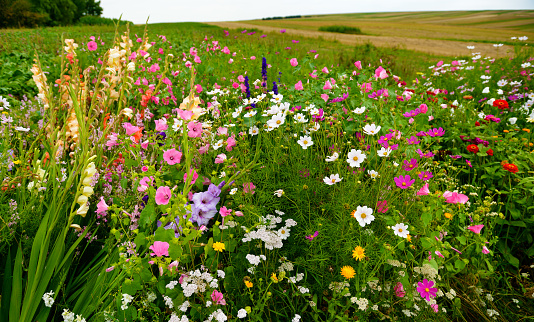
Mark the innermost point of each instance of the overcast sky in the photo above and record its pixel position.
(231, 10)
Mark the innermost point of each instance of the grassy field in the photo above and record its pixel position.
(432, 32)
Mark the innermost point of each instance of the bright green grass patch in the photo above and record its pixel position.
(342, 29)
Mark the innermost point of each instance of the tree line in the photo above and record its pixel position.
(33, 13)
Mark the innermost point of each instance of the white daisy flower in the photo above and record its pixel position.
(384, 152)
(355, 158)
(364, 215)
(373, 174)
(359, 110)
(333, 179)
(305, 142)
(371, 129)
(332, 158)
(401, 230)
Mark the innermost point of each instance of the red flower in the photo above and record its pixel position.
(510, 167)
(490, 152)
(501, 104)
(472, 148)
(477, 123)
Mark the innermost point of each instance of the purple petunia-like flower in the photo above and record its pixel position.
(202, 217)
(410, 165)
(404, 182)
(205, 201)
(426, 290)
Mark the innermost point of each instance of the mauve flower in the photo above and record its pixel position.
(101, 207)
(172, 156)
(218, 298)
(163, 195)
(215, 190)
(202, 217)
(404, 182)
(476, 229)
(160, 248)
(423, 191)
(195, 129)
(195, 176)
(399, 290)
(161, 125)
(205, 201)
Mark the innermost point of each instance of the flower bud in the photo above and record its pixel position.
(87, 191)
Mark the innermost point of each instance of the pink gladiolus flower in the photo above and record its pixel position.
(92, 46)
(225, 212)
(195, 129)
(423, 191)
(455, 197)
(293, 62)
(426, 290)
(172, 156)
(399, 290)
(485, 250)
(298, 86)
(218, 298)
(195, 176)
(325, 70)
(160, 249)
(324, 97)
(130, 129)
(381, 73)
(476, 229)
(220, 158)
(327, 85)
(101, 207)
(163, 195)
(161, 125)
(358, 64)
(404, 182)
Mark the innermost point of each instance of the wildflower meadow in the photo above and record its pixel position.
(184, 172)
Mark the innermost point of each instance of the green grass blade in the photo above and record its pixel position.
(16, 294)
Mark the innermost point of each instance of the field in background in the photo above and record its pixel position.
(443, 33)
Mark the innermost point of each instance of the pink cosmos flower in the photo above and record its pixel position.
(324, 97)
(160, 249)
(293, 62)
(399, 290)
(485, 250)
(218, 298)
(163, 195)
(476, 229)
(426, 290)
(298, 86)
(381, 73)
(327, 85)
(423, 108)
(312, 236)
(230, 143)
(220, 158)
(161, 125)
(358, 64)
(197, 60)
(225, 212)
(226, 50)
(195, 176)
(455, 197)
(195, 129)
(423, 191)
(404, 182)
(172, 156)
(382, 206)
(101, 207)
(92, 46)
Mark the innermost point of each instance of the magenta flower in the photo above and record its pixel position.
(382, 206)
(249, 187)
(410, 165)
(426, 290)
(160, 249)
(161, 125)
(230, 143)
(468, 163)
(455, 197)
(358, 64)
(195, 176)
(399, 290)
(163, 195)
(476, 229)
(172, 156)
(293, 62)
(92, 46)
(298, 86)
(282, 31)
(312, 236)
(195, 129)
(327, 85)
(436, 132)
(425, 175)
(225, 212)
(423, 108)
(423, 191)
(485, 250)
(404, 182)
(413, 140)
(459, 252)
(218, 298)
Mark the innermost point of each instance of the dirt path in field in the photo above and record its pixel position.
(430, 46)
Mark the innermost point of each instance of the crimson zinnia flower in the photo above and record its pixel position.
(472, 148)
(490, 152)
(501, 104)
(510, 167)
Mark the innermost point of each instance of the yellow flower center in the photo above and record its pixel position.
(363, 216)
(355, 158)
(278, 122)
(400, 230)
(305, 142)
(404, 183)
(333, 180)
(427, 290)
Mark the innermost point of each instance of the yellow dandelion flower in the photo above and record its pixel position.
(218, 247)
(358, 253)
(347, 272)
(248, 284)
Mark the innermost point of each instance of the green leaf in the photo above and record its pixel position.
(459, 264)
(426, 217)
(140, 240)
(148, 215)
(462, 239)
(518, 223)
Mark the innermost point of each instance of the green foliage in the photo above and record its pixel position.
(342, 29)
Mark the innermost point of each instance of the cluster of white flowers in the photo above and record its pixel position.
(175, 318)
(427, 271)
(197, 282)
(126, 299)
(266, 232)
(218, 315)
(362, 302)
(69, 316)
(48, 298)
(338, 287)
